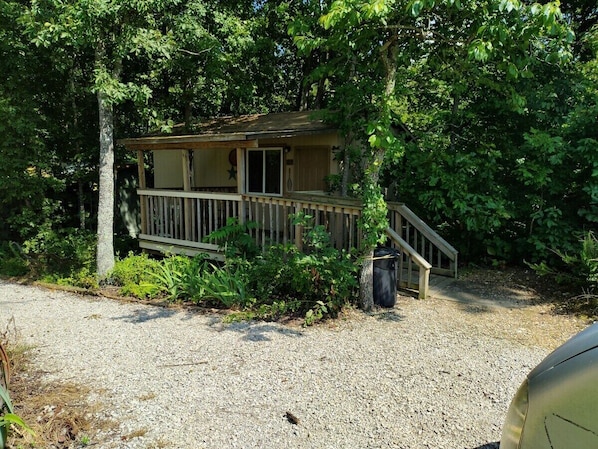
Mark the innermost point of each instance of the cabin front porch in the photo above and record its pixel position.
(266, 168)
(177, 221)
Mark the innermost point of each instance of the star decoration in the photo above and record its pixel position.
(232, 173)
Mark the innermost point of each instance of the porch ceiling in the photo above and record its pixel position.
(234, 132)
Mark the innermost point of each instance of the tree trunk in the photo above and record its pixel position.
(345, 177)
(81, 197)
(366, 283)
(388, 54)
(105, 248)
(366, 277)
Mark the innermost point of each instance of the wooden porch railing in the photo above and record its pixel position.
(179, 221)
(275, 223)
(175, 219)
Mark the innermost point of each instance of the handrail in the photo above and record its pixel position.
(325, 199)
(408, 249)
(321, 202)
(426, 230)
(189, 194)
(424, 240)
(424, 266)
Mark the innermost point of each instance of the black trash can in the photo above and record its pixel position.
(385, 276)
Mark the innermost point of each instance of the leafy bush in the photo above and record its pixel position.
(64, 253)
(12, 260)
(317, 282)
(589, 258)
(179, 277)
(135, 275)
(196, 280)
(284, 281)
(318, 285)
(64, 257)
(235, 239)
(580, 269)
(13, 266)
(83, 278)
(227, 284)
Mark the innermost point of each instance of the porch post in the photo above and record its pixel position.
(298, 229)
(241, 182)
(187, 184)
(142, 185)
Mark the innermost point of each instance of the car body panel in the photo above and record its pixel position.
(561, 433)
(563, 397)
(582, 342)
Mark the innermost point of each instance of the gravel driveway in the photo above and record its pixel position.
(426, 374)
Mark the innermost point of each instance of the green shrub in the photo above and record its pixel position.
(196, 280)
(316, 283)
(13, 266)
(284, 281)
(580, 268)
(65, 257)
(179, 277)
(12, 260)
(589, 258)
(82, 278)
(135, 275)
(65, 252)
(271, 277)
(234, 239)
(227, 284)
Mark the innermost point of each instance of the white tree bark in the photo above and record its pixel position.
(105, 248)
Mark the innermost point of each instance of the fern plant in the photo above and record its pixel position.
(589, 258)
(235, 239)
(580, 268)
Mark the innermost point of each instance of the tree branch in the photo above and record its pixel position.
(423, 31)
(195, 53)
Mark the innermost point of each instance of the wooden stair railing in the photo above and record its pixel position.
(412, 257)
(423, 240)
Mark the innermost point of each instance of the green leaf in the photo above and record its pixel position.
(512, 70)
(373, 140)
(10, 418)
(416, 7)
(5, 398)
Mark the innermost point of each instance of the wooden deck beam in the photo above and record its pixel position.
(159, 145)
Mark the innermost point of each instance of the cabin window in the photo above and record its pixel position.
(264, 171)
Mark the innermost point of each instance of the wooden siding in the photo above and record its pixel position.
(311, 165)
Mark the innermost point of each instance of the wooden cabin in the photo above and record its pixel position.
(265, 168)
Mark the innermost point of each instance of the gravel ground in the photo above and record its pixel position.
(426, 374)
